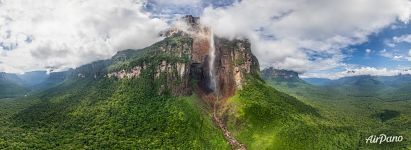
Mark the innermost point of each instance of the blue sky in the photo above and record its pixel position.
(173, 8)
(379, 50)
(379, 42)
(318, 38)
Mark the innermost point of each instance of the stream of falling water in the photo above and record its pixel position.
(213, 82)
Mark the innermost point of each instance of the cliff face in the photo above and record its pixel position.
(278, 74)
(234, 62)
(181, 63)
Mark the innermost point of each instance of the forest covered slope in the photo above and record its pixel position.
(192, 90)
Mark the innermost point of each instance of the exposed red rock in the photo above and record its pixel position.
(233, 62)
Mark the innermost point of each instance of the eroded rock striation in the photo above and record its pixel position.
(182, 61)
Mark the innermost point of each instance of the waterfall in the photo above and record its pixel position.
(212, 71)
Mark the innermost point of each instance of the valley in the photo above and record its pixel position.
(365, 103)
(195, 90)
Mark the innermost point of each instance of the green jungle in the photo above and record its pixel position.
(92, 111)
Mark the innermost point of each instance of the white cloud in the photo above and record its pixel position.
(394, 55)
(296, 34)
(409, 55)
(177, 2)
(398, 39)
(397, 57)
(285, 33)
(403, 38)
(368, 51)
(66, 34)
(357, 72)
(390, 43)
(386, 53)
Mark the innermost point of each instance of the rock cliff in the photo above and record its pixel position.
(279, 74)
(182, 62)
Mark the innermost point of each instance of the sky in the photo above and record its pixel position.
(318, 38)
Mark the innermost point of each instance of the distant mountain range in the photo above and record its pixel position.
(15, 85)
(192, 90)
(11, 85)
(363, 80)
(195, 90)
(33, 78)
(388, 88)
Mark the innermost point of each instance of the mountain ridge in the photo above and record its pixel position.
(163, 97)
(11, 86)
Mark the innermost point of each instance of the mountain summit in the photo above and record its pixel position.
(191, 90)
(193, 54)
(192, 60)
(280, 74)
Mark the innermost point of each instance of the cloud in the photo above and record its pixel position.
(397, 57)
(177, 2)
(390, 43)
(368, 51)
(409, 55)
(286, 34)
(357, 72)
(387, 54)
(67, 34)
(170, 10)
(403, 38)
(297, 34)
(394, 55)
(398, 39)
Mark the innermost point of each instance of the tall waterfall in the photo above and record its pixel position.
(212, 71)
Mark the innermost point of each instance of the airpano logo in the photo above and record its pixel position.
(383, 138)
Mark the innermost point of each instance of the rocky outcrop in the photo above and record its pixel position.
(182, 62)
(133, 73)
(234, 62)
(167, 63)
(279, 74)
